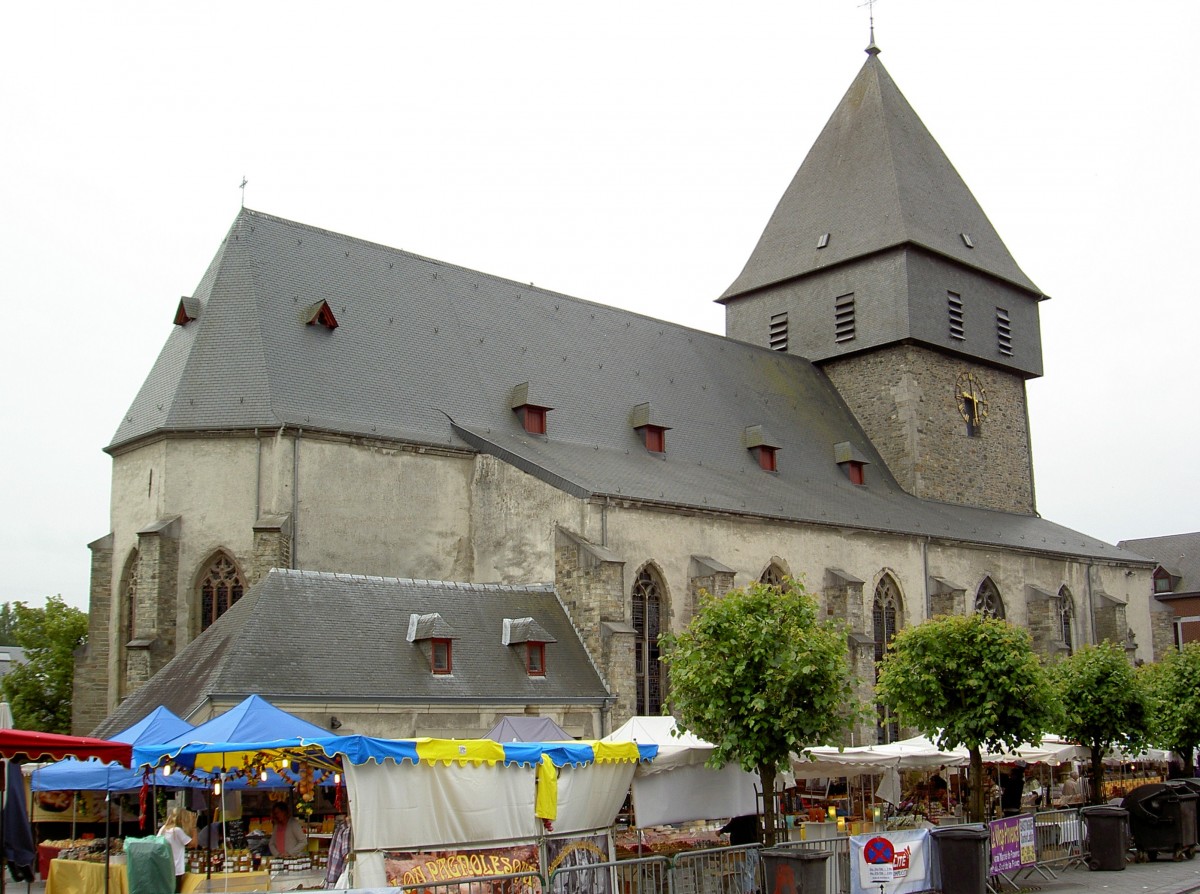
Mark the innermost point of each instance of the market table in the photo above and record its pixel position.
(46, 853)
(202, 882)
(82, 877)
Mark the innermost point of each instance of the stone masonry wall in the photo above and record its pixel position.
(89, 704)
(905, 398)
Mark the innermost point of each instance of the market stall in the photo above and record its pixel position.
(415, 802)
(678, 786)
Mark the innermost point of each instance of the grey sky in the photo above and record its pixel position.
(628, 153)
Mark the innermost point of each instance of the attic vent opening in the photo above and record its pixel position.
(182, 317)
(777, 336)
(823, 241)
(843, 318)
(531, 409)
(954, 306)
(321, 314)
(967, 240)
(851, 461)
(763, 447)
(651, 426)
(1004, 332)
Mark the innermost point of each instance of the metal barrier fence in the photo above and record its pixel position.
(1060, 837)
(515, 883)
(643, 875)
(720, 870)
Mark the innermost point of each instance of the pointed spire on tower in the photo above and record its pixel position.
(871, 50)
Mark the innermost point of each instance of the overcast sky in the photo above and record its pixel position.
(624, 152)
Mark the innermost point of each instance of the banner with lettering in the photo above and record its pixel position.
(901, 861)
(442, 866)
(1014, 843)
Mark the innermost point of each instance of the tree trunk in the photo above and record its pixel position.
(979, 787)
(1096, 776)
(766, 776)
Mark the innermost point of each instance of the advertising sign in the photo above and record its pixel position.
(440, 867)
(1013, 843)
(899, 860)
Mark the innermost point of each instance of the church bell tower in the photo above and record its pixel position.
(879, 266)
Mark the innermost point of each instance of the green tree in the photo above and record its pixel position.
(760, 676)
(1103, 704)
(6, 625)
(39, 691)
(1173, 694)
(970, 681)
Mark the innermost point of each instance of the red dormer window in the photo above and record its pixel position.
(766, 458)
(857, 472)
(655, 438)
(321, 314)
(533, 419)
(535, 659)
(441, 657)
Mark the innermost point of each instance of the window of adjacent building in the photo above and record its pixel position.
(647, 624)
(220, 588)
(777, 336)
(1004, 340)
(885, 623)
(988, 601)
(954, 307)
(1066, 619)
(535, 659)
(441, 656)
(843, 318)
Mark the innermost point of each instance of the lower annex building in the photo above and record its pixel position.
(359, 413)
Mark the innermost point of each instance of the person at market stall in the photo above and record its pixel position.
(743, 830)
(939, 789)
(209, 836)
(1071, 791)
(287, 838)
(179, 829)
(1012, 789)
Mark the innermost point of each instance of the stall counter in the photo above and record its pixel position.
(82, 877)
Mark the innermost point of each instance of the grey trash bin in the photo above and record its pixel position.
(962, 858)
(794, 870)
(1107, 837)
(1188, 798)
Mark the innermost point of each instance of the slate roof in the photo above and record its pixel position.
(429, 353)
(1179, 554)
(283, 636)
(874, 179)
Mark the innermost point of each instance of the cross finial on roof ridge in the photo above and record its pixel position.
(871, 50)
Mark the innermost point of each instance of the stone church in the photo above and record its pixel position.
(330, 405)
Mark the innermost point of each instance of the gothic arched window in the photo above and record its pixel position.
(988, 601)
(647, 622)
(220, 587)
(886, 621)
(1066, 619)
(774, 575)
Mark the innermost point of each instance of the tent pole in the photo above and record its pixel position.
(107, 832)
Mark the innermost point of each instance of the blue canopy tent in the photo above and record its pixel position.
(95, 775)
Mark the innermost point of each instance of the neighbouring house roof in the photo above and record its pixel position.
(282, 641)
(874, 179)
(1178, 554)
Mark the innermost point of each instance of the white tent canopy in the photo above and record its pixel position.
(676, 787)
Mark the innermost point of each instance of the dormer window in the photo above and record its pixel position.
(1164, 581)
(528, 634)
(852, 462)
(531, 408)
(441, 656)
(651, 427)
(535, 659)
(762, 446)
(432, 629)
